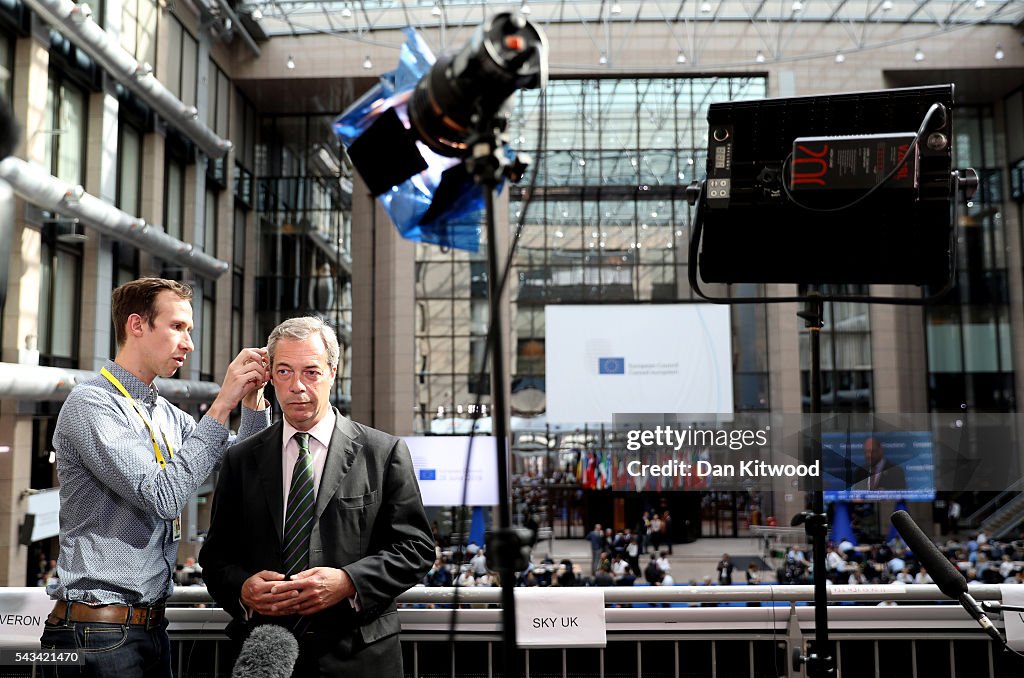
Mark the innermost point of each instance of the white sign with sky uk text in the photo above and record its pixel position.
(561, 617)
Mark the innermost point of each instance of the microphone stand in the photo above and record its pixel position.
(507, 547)
(819, 662)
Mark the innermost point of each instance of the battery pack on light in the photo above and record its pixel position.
(853, 162)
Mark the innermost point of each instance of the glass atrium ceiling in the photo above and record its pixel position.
(360, 18)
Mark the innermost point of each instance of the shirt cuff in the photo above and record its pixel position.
(245, 609)
(257, 416)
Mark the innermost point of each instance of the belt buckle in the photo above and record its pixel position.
(144, 621)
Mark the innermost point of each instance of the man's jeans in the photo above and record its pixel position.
(109, 650)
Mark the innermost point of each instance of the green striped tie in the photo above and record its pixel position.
(300, 514)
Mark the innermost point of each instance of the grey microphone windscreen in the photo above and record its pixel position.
(945, 576)
(270, 651)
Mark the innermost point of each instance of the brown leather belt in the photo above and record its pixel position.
(149, 617)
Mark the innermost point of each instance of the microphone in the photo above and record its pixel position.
(946, 577)
(270, 651)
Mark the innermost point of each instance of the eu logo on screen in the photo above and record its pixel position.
(428, 474)
(611, 365)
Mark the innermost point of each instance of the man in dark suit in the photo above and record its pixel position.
(882, 473)
(317, 522)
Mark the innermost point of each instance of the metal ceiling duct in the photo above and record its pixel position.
(75, 22)
(36, 185)
(35, 382)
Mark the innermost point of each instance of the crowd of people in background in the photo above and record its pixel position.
(627, 558)
(616, 561)
(980, 559)
(641, 557)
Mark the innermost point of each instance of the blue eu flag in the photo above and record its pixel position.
(611, 365)
(428, 474)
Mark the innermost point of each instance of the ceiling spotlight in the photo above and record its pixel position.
(886, 5)
(603, 59)
(1000, 54)
(705, 7)
(680, 58)
(978, 4)
(760, 57)
(256, 15)
(616, 8)
(840, 57)
(436, 10)
(797, 6)
(918, 55)
(346, 12)
(367, 62)
(524, 8)
(290, 63)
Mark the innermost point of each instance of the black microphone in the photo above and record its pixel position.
(946, 577)
(270, 651)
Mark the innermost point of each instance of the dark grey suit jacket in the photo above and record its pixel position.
(370, 522)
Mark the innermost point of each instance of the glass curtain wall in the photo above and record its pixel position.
(304, 232)
(608, 223)
(846, 371)
(970, 365)
(241, 186)
(139, 29)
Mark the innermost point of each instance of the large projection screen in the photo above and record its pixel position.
(602, 360)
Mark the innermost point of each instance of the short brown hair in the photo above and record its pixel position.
(139, 296)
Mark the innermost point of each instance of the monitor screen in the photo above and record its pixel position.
(440, 465)
(873, 466)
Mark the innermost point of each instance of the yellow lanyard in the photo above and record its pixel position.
(145, 420)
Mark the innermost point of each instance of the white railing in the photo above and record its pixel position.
(709, 632)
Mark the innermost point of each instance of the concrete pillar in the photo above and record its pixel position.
(21, 318)
(383, 317)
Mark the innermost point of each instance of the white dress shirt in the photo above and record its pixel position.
(319, 440)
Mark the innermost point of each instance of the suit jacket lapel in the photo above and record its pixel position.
(269, 459)
(340, 455)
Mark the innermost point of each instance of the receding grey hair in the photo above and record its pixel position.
(303, 328)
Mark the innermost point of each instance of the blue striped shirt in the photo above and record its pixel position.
(116, 504)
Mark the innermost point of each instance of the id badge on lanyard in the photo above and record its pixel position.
(157, 452)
